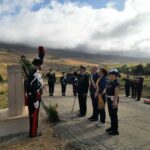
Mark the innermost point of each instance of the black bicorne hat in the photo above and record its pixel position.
(37, 62)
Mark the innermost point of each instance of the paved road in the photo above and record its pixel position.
(134, 125)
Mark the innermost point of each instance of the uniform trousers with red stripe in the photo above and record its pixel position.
(33, 116)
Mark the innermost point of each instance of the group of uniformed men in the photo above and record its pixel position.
(63, 80)
(134, 87)
(103, 87)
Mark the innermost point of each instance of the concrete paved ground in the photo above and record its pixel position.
(134, 125)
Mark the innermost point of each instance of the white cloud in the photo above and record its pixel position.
(74, 25)
(111, 4)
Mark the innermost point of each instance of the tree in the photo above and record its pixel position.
(124, 69)
(147, 69)
(139, 69)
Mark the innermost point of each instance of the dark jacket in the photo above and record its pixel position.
(51, 77)
(34, 87)
(111, 87)
(140, 83)
(127, 82)
(63, 80)
(83, 83)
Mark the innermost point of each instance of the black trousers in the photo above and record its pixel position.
(102, 111)
(51, 87)
(94, 104)
(63, 88)
(134, 92)
(139, 93)
(113, 113)
(127, 90)
(82, 103)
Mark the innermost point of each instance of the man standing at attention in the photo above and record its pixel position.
(140, 81)
(127, 85)
(51, 82)
(63, 81)
(112, 92)
(83, 85)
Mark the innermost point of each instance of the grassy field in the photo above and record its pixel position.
(3, 70)
(3, 86)
(3, 95)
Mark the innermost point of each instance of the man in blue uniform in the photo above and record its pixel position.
(51, 82)
(93, 79)
(127, 85)
(112, 92)
(83, 86)
(140, 81)
(63, 81)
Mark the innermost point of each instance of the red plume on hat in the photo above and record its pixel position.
(41, 52)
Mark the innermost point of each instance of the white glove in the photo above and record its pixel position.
(36, 104)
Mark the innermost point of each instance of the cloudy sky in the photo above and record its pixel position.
(88, 25)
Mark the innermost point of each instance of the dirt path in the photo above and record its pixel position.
(134, 126)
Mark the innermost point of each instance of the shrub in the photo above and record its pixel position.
(53, 113)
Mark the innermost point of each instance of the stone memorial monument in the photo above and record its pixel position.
(14, 119)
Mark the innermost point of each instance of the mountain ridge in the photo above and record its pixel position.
(74, 54)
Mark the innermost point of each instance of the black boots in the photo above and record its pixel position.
(112, 132)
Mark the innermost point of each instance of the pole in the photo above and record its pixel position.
(73, 104)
